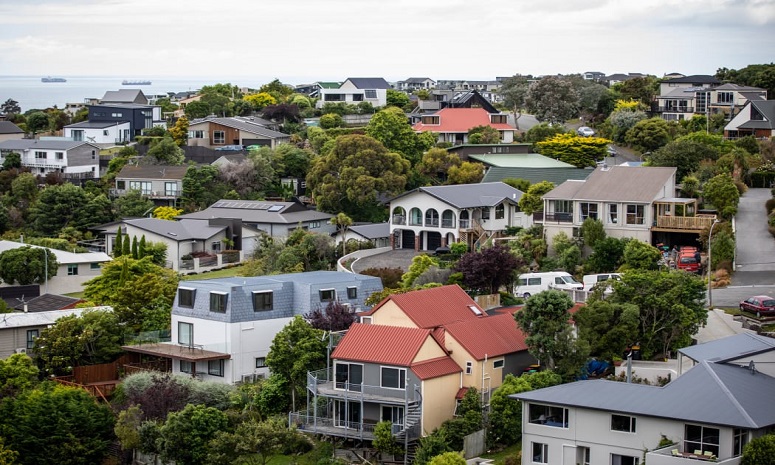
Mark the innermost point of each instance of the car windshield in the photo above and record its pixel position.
(688, 260)
(768, 303)
(569, 280)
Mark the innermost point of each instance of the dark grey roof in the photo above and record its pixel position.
(617, 183)
(183, 230)
(123, 96)
(738, 88)
(369, 83)
(534, 175)
(371, 231)
(752, 95)
(255, 211)
(48, 302)
(26, 144)
(729, 348)
(471, 195)
(417, 80)
(7, 127)
(93, 124)
(308, 277)
(252, 127)
(695, 79)
(122, 105)
(709, 393)
(152, 172)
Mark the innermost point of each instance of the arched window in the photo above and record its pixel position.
(415, 217)
(464, 221)
(448, 219)
(432, 218)
(399, 215)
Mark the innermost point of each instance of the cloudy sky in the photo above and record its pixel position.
(301, 40)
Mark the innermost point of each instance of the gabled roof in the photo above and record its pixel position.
(417, 80)
(617, 183)
(329, 84)
(255, 211)
(42, 144)
(183, 230)
(124, 96)
(767, 110)
(47, 302)
(488, 337)
(461, 120)
(436, 367)
(371, 231)
(252, 127)
(369, 83)
(152, 172)
(96, 124)
(729, 348)
(709, 393)
(471, 98)
(32, 319)
(7, 127)
(486, 194)
(429, 308)
(738, 88)
(391, 345)
(63, 257)
(695, 79)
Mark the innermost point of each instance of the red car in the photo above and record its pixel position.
(759, 304)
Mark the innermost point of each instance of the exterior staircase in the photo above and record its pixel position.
(412, 419)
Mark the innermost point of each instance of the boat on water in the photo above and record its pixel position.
(126, 82)
(52, 79)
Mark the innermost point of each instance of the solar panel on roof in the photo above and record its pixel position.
(275, 208)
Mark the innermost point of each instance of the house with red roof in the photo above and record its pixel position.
(452, 124)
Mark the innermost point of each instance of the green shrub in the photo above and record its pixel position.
(391, 277)
(770, 205)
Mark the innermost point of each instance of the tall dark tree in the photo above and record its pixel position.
(334, 317)
(27, 265)
(488, 269)
(10, 107)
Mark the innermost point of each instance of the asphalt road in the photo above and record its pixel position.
(755, 254)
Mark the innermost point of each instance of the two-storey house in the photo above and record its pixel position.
(435, 216)
(451, 125)
(74, 161)
(222, 329)
(162, 184)
(354, 91)
(214, 132)
(756, 118)
(634, 202)
(416, 83)
(138, 116)
(99, 132)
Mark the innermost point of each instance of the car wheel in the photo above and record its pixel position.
(758, 314)
(526, 295)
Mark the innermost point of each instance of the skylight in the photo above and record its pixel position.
(475, 309)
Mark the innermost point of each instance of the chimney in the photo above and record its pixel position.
(26, 309)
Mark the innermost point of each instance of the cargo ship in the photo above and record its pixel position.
(52, 79)
(135, 83)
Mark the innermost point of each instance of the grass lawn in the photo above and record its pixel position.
(225, 273)
(500, 457)
(77, 295)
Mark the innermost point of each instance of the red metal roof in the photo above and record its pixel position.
(391, 345)
(461, 393)
(492, 336)
(461, 120)
(430, 308)
(435, 367)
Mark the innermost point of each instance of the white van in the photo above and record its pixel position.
(532, 283)
(591, 279)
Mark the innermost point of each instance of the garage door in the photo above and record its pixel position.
(434, 240)
(407, 239)
(262, 142)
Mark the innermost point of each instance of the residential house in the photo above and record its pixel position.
(467, 84)
(435, 216)
(708, 414)
(683, 97)
(616, 78)
(741, 349)
(18, 330)
(160, 183)
(410, 361)
(530, 166)
(183, 101)
(125, 96)
(138, 116)
(355, 91)
(222, 329)
(378, 234)
(593, 76)
(99, 132)
(416, 83)
(731, 98)
(276, 219)
(756, 118)
(73, 271)
(634, 202)
(46, 303)
(451, 125)
(10, 131)
(463, 151)
(74, 161)
(440, 99)
(214, 132)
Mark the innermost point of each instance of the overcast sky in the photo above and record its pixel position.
(306, 40)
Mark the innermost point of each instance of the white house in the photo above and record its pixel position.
(99, 132)
(430, 217)
(74, 160)
(222, 329)
(355, 91)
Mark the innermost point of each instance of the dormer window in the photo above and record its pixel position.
(433, 119)
(186, 296)
(327, 295)
(263, 301)
(498, 119)
(218, 302)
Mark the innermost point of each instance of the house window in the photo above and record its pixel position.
(485, 214)
(588, 210)
(59, 155)
(394, 378)
(186, 296)
(498, 363)
(540, 452)
(635, 214)
(72, 269)
(314, 224)
(121, 185)
(41, 155)
(623, 423)
(469, 368)
(352, 292)
(327, 295)
(95, 266)
(448, 219)
(196, 134)
(333, 97)
(216, 246)
(219, 137)
(548, 415)
(171, 189)
(500, 210)
(584, 455)
(617, 459)
(143, 186)
(726, 97)
(740, 440)
(105, 132)
(613, 213)
(432, 218)
(701, 438)
(78, 135)
(370, 93)
(215, 367)
(357, 97)
(499, 119)
(32, 334)
(218, 302)
(186, 334)
(348, 376)
(263, 301)
(187, 367)
(365, 320)
(415, 217)
(431, 120)
(117, 115)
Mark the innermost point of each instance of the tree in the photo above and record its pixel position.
(532, 201)
(648, 134)
(127, 428)
(7, 456)
(684, 154)
(671, 306)
(435, 164)
(354, 175)
(166, 213)
(466, 173)
(430, 446)
(723, 194)
(342, 222)
(179, 131)
(98, 210)
(483, 135)
(202, 187)
(552, 99)
(641, 255)
(56, 424)
(164, 152)
(384, 441)
(623, 119)
(593, 231)
(608, 327)
(331, 120)
(277, 89)
(506, 413)
(758, 75)
(420, 264)
(133, 205)
(285, 113)
(186, 434)
(57, 207)
(197, 109)
(295, 350)
(27, 265)
(334, 317)
(641, 89)
(12, 160)
(391, 127)
(10, 107)
(265, 438)
(579, 151)
(514, 93)
(37, 121)
(608, 255)
(260, 100)
(760, 451)
(543, 131)
(543, 318)
(17, 373)
(448, 458)
(488, 269)
(118, 245)
(396, 98)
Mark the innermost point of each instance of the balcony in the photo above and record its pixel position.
(675, 455)
(556, 217)
(322, 383)
(683, 223)
(672, 109)
(399, 219)
(432, 222)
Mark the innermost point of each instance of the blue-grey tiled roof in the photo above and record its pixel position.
(729, 348)
(486, 194)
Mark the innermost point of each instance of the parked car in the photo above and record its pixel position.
(585, 131)
(532, 283)
(230, 148)
(759, 305)
(590, 280)
(689, 261)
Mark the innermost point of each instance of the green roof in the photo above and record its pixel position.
(520, 160)
(534, 175)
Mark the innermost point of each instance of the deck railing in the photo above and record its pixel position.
(698, 222)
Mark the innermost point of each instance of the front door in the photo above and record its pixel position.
(395, 415)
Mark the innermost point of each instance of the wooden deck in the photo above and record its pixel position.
(683, 223)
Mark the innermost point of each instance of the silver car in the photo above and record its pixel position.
(585, 131)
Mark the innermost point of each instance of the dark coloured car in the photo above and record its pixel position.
(759, 305)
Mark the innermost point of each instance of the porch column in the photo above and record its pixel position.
(392, 242)
(417, 242)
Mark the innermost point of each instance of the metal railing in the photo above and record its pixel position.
(325, 379)
(699, 222)
(559, 217)
(432, 222)
(399, 219)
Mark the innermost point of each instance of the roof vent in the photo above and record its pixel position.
(752, 367)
